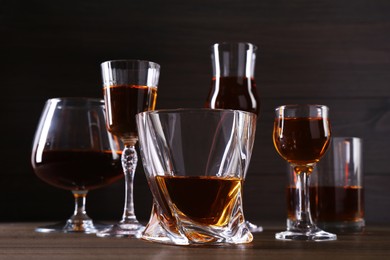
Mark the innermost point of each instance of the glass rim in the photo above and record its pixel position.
(152, 64)
(291, 106)
(212, 110)
(254, 46)
(91, 99)
(347, 138)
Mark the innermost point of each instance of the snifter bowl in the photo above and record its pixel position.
(195, 162)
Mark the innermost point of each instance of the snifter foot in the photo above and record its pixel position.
(87, 227)
(312, 234)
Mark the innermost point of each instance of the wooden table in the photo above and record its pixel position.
(19, 241)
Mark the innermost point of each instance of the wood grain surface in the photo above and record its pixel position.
(19, 241)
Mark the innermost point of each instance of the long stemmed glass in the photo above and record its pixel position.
(130, 87)
(301, 136)
(73, 150)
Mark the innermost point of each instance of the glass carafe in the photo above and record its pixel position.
(233, 84)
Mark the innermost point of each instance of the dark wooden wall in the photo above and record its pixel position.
(331, 52)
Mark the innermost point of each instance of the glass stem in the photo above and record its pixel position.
(80, 213)
(129, 164)
(302, 211)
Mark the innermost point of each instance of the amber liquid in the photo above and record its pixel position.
(123, 102)
(301, 140)
(206, 200)
(79, 170)
(331, 204)
(233, 93)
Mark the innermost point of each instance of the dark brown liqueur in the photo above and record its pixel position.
(331, 204)
(206, 200)
(301, 140)
(233, 93)
(79, 170)
(123, 102)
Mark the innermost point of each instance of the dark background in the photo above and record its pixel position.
(335, 53)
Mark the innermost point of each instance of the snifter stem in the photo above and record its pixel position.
(79, 202)
(80, 221)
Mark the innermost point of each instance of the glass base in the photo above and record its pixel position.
(85, 227)
(254, 228)
(184, 232)
(122, 230)
(337, 227)
(310, 234)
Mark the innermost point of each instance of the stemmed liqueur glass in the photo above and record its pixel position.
(301, 136)
(233, 83)
(129, 87)
(73, 150)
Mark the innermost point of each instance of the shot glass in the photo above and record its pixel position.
(195, 162)
(336, 188)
